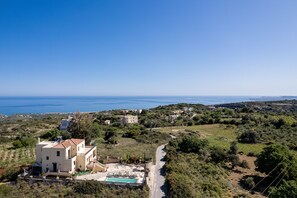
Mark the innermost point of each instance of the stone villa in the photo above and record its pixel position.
(65, 155)
(129, 119)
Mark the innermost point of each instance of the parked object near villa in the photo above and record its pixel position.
(65, 155)
(65, 123)
(129, 119)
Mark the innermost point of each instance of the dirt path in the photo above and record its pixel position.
(237, 174)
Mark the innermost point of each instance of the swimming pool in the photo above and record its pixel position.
(121, 180)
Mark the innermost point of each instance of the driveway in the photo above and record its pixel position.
(159, 189)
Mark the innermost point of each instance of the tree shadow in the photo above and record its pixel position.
(237, 171)
(260, 186)
(164, 187)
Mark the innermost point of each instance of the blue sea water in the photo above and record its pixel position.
(24, 105)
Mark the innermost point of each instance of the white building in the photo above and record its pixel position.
(107, 122)
(171, 118)
(188, 109)
(129, 119)
(64, 156)
(177, 112)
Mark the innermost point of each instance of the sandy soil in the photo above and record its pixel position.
(239, 172)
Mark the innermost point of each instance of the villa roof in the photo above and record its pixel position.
(64, 144)
(77, 141)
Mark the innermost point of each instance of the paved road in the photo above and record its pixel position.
(159, 189)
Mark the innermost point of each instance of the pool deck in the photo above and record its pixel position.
(116, 170)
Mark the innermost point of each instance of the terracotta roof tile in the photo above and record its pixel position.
(77, 141)
(58, 146)
(64, 144)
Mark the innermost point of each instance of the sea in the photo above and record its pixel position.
(42, 105)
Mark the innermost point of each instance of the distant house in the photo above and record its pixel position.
(129, 119)
(171, 118)
(107, 122)
(188, 109)
(137, 111)
(212, 107)
(177, 112)
(65, 123)
(65, 155)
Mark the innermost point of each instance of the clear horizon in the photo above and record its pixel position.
(140, 48)
(63, 104)
(147, 96)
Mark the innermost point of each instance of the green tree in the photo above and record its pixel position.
(276, 158)
(132, 131)
(24, 142)
(110, 135)
(248, 137)
(192, 144)
(54, 133)
(97, 130)
(82, 127)
(286, 190)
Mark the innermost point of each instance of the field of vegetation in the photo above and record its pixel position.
(16, 157)
(88, 189)
(127, 149)
(194, 168)
(224, 136)
(219, 135)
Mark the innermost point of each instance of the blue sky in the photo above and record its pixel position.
(115, 47)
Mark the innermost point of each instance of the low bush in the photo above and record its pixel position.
(249, 182)
(244, 164)
(88, 187)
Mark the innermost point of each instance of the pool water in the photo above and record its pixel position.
(121, 180)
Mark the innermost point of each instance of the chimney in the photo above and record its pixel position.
(38, 140)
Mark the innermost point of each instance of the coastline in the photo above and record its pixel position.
(60, 105)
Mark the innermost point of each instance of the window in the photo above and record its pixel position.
(73, 162)
(47, 158)
(47, 170)
(58, 153)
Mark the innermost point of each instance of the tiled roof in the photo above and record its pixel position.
(64, 144)
(77, 141)
(68, 143)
